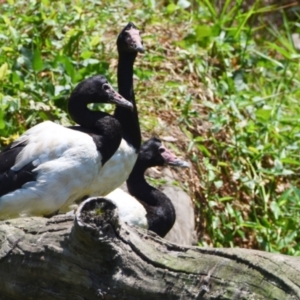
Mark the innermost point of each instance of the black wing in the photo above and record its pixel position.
(13, 180)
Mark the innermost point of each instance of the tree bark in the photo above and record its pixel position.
(96, 256)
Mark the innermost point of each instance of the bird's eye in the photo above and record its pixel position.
(105, 86)
(161, 150)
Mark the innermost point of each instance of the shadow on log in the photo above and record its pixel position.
(95, 256)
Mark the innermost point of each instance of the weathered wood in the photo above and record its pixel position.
(96, 256)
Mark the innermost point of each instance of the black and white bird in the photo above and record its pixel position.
(129, 43)
(119, 166)
(51, 166)
(146, 206)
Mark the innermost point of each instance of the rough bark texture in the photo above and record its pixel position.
(95, 256)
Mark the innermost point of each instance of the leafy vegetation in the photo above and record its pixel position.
(224, 84)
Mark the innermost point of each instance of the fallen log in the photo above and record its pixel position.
(94, 255)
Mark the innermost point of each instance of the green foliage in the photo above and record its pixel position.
(228, 81)
(251, 150)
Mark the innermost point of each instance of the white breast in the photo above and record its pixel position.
(130, 210)
(115, 171)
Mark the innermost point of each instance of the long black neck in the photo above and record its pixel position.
(160, 210)
(105, 130)
(129, 119)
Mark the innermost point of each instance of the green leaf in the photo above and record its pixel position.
(95, 41)
(204, 150)
(37, 62)
(291, 161)
(275, 209)
(2, 122)
(253, 149)
(3, 71)
(14, 33)
(281, 50)
(6, 20)
(171, 8)
(87, 54)
(203, 31)
(263, 114)
(227, 198)
(265, 222)
(211, 8)
(68, 66)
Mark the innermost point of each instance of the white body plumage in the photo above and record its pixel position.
(68, 167)
(116, 170)
(130, 210)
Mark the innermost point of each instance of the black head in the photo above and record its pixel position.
(96, 89)
(153, 153)
(129, 39)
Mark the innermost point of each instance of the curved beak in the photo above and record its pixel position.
(116, 98)
(171, 159)
(180, 163)
(140, 48)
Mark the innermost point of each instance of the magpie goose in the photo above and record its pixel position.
(129, 43)
(50, 166)
(146, 206)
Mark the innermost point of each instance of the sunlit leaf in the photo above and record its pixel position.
(3, 71)
(171, 8)
(95, 41)
(6, 20)
(263, 114)
(203, 31)
(14, 33)
(254, 150)
(2, 122)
